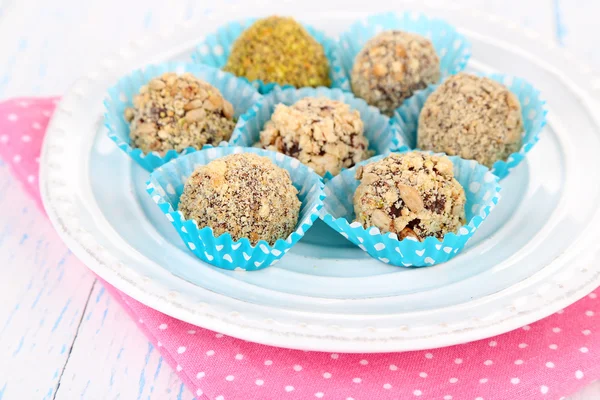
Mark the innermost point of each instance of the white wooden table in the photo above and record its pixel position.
(61, 335)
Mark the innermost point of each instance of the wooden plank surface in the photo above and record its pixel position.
(62, 336)
(44, 292)
(125, 365)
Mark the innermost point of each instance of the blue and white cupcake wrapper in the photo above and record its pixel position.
(239, 93)
(166, 185)
(453, 49)
(383, 135)
(533, 111)
(215, 48)
(481, 189)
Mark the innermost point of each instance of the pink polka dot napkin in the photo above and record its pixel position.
(547, 360)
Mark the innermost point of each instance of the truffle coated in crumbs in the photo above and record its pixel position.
(391, 67)
(174, 112)
(324, 134)
(473, 117)
(279, 49)
(244, 194)
(411, 194)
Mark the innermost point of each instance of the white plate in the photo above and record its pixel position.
(535, 255)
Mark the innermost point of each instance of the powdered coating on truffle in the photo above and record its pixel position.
(473, 117)
(177, 112)
(327, 135)
(279, 49)
(244, 194)
(391, 67)
(411, 194)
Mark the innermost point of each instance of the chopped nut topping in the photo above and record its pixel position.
(406, 233)
(411, 197)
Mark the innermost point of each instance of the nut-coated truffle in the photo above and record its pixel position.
(324, 134)
(174, 112)
(473, 117)
(391, 67)
(280, 50)
(413, 195)
(244, 194)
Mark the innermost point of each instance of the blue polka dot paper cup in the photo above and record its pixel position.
(533, 111)
(453, 49)
(383, 135)
(166, 185)
(481, 189)
(239, 93)
(215, 48)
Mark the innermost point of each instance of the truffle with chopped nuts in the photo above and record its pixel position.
(413, 195)
(279, 49)
(473, 117)
(244, 194)
(324, 134)
(391, 67)
(174, 112)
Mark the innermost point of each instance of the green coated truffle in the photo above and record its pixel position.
(279, 49)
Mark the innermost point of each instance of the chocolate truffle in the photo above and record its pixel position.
(244, 194)
(324, 134)
(175, 112)
(391, 67)
(279, 49)
(473, 117)
(411, 194)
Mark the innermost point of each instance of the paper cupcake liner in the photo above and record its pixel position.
(166, 185)
(481, 189)
(453, 49)
(239, 93)
(383, 135)
(533, 111)
(215, 48)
